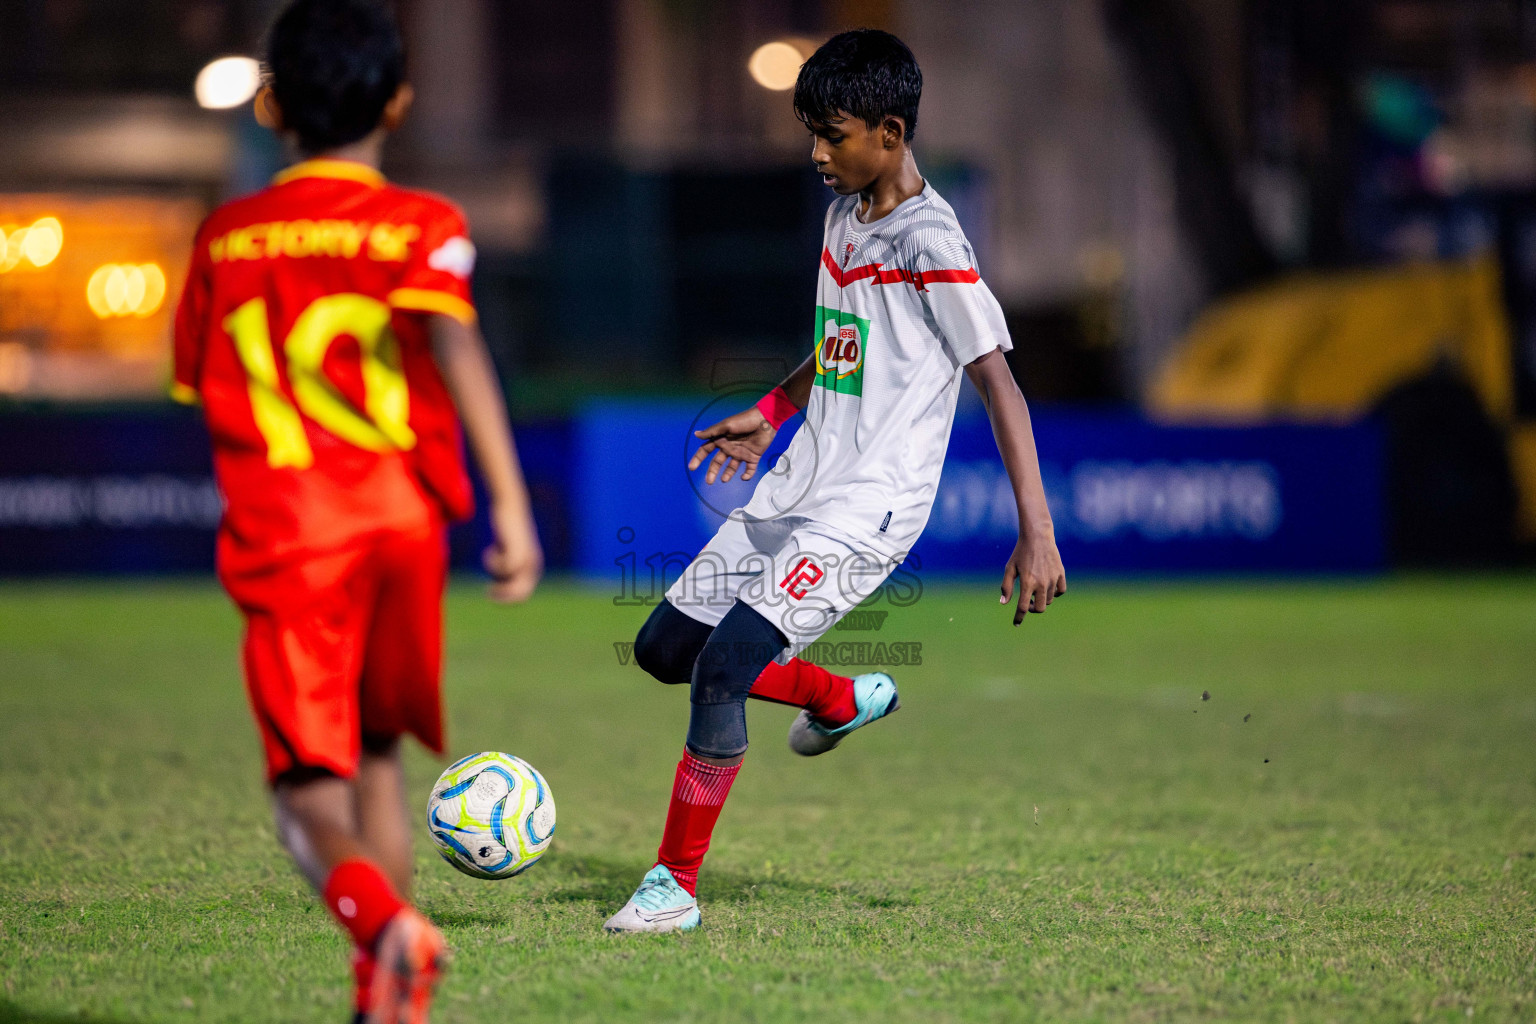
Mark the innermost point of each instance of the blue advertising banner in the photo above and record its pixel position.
(106, 492)
(128, 491)
(132, 491)
(1126, 495)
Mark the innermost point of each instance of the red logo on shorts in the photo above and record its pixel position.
(805, 575)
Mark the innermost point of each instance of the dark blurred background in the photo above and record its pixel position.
(1198, 215)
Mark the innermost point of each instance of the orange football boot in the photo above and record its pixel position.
(409, 959)
(362, 988)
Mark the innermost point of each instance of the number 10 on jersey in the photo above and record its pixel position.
(382, 423)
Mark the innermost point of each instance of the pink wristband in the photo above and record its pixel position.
(777, 408)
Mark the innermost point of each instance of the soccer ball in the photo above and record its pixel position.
(491, 815)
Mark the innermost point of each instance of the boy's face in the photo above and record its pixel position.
(850, 155)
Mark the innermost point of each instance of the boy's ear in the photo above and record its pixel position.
(398, 106)
(268, 114)
(893, 131)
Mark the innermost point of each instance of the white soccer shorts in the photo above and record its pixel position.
(800, 575)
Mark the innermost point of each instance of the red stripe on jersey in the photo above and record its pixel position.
(966, 276)
(917, 279)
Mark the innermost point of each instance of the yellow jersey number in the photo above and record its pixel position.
(382, 423)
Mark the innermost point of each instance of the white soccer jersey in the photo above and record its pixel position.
(900, 311)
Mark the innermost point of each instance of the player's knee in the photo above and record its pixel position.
(313, 798)
(716, 679)
(302, 784)
(718, 730)
(661, 657)
(665, 648)
(737, 651)
(381, 745)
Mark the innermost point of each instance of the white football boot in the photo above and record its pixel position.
(874, 694)
(659, 905)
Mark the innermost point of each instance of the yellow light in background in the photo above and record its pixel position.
(75, 346)
(227, 82)
(38, 244)
(96, 292)
(154, 289)
(12, 238)
(44, 240)
(776, 65)
(126, 289)
(115, 290)
(133, 296)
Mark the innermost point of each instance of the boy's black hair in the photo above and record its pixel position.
(333, 65)
(867, 73)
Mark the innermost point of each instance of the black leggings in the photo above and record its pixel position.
(719, 664)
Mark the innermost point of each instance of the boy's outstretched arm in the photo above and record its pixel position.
(739, 441)
(515, 561)
(1035, 563)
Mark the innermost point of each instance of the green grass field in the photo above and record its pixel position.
(1055, 827)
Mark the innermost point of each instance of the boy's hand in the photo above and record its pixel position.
(1036, 567)
(515, 561)
(738, 443)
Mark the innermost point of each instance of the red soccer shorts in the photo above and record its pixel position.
(344, 645)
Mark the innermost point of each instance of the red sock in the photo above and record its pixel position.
(361, 899)
(698, 794)
(827, 696)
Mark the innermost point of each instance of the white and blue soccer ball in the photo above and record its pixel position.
(491, 815)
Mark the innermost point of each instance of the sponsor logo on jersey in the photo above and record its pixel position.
(842, 342)
(455, 256)
(799, 580)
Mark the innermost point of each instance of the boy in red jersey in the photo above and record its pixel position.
(327, 329)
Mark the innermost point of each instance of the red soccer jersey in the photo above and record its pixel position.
(300, 329)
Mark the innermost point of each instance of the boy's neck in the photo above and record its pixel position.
(368, 151)
(891, 189)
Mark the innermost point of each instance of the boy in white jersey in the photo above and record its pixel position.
(901, 316)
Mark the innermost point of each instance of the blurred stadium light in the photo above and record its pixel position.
(36, 245)
(126, 289)
(227, 82)
(84, 291)
(775, 65)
